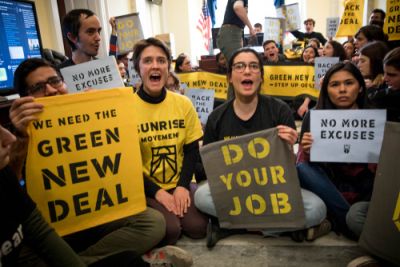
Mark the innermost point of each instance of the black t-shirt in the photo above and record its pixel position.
(16, 206)
(304, 36)
(224, 124)
(230, 16)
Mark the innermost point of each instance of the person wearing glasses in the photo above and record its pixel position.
(136, 234)
(249, 112)
(22, 223)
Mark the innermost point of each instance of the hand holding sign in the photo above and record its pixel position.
(24, 110)
(306, 142)
(288, 134)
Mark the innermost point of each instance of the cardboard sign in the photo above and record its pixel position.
(347, 135)
(292, 15)
(381, 232)
(332, 24)
(203, 102)
(84, 164)
(274, 29)
(97, 74)
(253, 182)
(322, 65)
(352, 18)
(392, 21)
(129, 31)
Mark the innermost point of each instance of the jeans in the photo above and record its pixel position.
(314, 178)
(357, 216)
(314, 207)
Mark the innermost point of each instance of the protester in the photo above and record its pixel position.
(137, 233)
(367, 34)
(81, 28)
(314, 42)
(310, 33)
(302, 103)
(249, 112)
(22, 223)
(221, 63)
(173, 84)
(122, 58)
(183, 64)
(258, 27)
(235, 19)
(334, 49)
(169, 133)
(309, 54)
(377, 17)
(271, 52)
(371, 66)
(339, 185)
(230, 35)
(349, 48)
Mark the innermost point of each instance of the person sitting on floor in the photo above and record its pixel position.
(248, 112)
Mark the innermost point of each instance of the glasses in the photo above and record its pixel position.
(240, 67)
(40, 87)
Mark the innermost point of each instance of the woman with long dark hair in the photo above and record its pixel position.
(339, 185)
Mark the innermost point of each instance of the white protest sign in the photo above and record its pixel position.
(97, 74)
(322, 65)
(273, 29)
(292, 15)
(332, 24)
(347, 135)
(134, 78)
(203, 102)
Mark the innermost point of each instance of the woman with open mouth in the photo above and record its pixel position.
(249, 112)
(169, 134)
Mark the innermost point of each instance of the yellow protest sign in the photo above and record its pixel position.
(289, 81)
(84, 164)
(279, 80)
(392, 22)
(352, 18)
(206, 80)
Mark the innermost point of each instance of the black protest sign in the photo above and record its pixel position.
(253, 182)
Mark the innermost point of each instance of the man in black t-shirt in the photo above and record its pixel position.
(310, 33)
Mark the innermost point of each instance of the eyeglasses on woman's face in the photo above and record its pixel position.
(241, 67)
